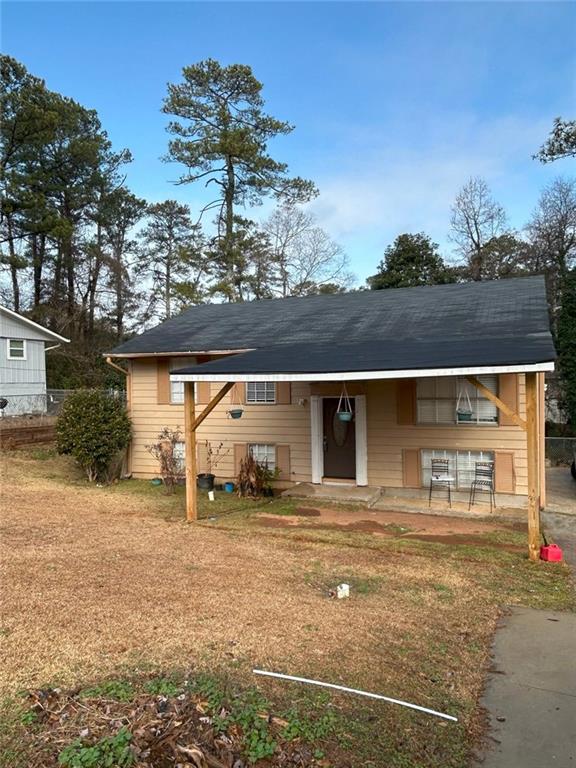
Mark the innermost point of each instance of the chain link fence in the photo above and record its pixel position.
(560, 451)
(43, 405)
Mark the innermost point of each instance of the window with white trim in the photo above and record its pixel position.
(16, 349)
(451, 400)
(180, 456)
(461, 467)
(176, 392)
(264, 454)
(261, 392)
(177, 387)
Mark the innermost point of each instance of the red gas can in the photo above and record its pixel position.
(551, 552)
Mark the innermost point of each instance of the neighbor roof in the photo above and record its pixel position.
(449, 323)
(50, 335)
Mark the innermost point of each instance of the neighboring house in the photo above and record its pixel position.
(404, 355)
(22, 363)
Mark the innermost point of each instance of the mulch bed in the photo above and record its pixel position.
(165, 731)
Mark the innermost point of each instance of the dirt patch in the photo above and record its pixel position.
(463, 540)
(308, 512)
(387, 522)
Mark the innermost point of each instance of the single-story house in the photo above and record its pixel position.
(450, 371)
(23, 344)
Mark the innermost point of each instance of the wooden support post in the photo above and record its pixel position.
(533, 470)
(190, 449)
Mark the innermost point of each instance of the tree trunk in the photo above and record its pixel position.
(229, 235)
(13, 263)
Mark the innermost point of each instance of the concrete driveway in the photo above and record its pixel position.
(560, 490)
(531, 692)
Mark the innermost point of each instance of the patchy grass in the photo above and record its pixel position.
(105, 587)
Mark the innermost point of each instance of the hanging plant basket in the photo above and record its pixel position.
(344, 411)
(236, 413)
(463, 413)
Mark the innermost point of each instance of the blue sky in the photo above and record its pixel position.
(395, 104)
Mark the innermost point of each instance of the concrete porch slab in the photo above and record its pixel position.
(354, 493)
(458, 508)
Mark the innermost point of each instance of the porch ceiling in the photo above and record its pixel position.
(406, 358)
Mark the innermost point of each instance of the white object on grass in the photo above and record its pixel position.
(354, 690)
(211, 495)
(343, 590)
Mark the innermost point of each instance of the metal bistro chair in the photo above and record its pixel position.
(483, 482)
(440, 478)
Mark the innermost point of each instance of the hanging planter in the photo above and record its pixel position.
(236, 410)
(463, 413)
(344, 411)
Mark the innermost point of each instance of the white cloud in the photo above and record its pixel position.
(384, 190)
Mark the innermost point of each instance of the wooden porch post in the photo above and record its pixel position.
(191, 424)
(190, 449)
(533, 468)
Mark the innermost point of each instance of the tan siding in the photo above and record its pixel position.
(289, 424)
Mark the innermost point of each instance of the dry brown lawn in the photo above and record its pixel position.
(99, 582)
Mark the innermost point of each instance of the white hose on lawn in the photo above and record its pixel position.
(354, 690)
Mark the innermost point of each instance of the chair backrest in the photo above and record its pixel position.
(484, 470)
(440, 467)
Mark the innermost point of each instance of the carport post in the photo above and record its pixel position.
(533, 469)
(191, 424)
(190, 451)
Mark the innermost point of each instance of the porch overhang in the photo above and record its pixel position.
(398, 359)
(360, 375)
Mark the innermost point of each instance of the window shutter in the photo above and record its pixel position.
(411, 468)
(504, 474)
(240, 451)
(202, 392)
(508, 393)
(283, 393)
(163, 381)
(202, 457)
(283, 461)
(406, 401)
(238, 393)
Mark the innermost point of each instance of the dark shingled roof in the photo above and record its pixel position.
(502, 322)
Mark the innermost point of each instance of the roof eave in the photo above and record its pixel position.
(367, 375)
(40, 328)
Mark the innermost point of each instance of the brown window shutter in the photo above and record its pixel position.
(283, 393)
(240, 451)
(504, 474)
(202, 456)
(238, 393)
(406, 401)
(508, 393)
(411, 468)
(283, 461)
(202, 392)
(163, 381)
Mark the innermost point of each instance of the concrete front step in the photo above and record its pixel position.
(338, 492)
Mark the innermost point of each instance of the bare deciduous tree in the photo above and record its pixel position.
(304, 255)
(476, 219)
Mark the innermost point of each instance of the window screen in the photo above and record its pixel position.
(261, 392)
(439, 399)
(461, 464)
(264, 454)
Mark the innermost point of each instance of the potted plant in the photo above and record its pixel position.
(214, 455)
(344, 409)
(463, 413)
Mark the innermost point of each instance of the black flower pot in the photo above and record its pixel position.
(205, 481)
